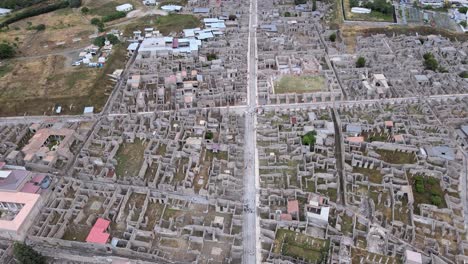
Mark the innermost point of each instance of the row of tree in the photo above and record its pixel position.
(31, 12)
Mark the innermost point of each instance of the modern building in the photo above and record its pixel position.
(124, 8)
(4, 11)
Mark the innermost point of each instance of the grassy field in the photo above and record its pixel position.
(298, 245)
(299, 84)
(396, 157)
(62, 25)
(373, 16)
(165, 24)
(55, 83)
(130, 157)
(431, 187)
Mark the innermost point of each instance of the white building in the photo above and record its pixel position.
(4, 11)
(124, 8)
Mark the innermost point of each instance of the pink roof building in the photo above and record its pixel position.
(17, 227)
(355, 139)
(388, 123)
(98, 232)
(293, 207)
(286, 217)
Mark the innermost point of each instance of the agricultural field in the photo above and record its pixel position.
(165, 24)
(65, 29)
(35, 86)
(374, 16)
(299, 84)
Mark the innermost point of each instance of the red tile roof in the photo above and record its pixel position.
(293, 206)
(286, 217)
(98, 232)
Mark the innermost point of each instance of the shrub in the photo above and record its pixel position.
(95, 21)
(40, 27)
(114, 16)
(431, 181)
(85, 10)
(361, 62)
(209, 135)
(332, 37)
(436, 200)
(112, 39)
(6, 51)
(309, 138)
(463, 10)
(463, 24)
(431, 64)
(211, 56)
(99, 41)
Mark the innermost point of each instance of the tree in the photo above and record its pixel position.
(463, 74)
(6, 51)
(287, 14)
(309, 138)
(436, 200)
(463, 10)
(99, 41)
(361, 62)
(232, 17)
(95, 21)
(211, 56)
(430, 63)
(209, 135)
(27, 255)
(85, 10)
(112, 39)
(332, 37)
(463, 24)
(314, 5)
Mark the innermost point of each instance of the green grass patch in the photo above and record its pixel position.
(176, 23)
(396, 157)
(426, 190)
(130, 157)
(298, 245)
(372, 16)
(299, 84)
(165, 24)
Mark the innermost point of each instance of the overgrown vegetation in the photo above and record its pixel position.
(430, 63)
(309, 138)
(298, 245)
(209, 135)
(361, 62)
(25, 254)
(427, 190)
(381, 6)
(211, 56)
(6, 51)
